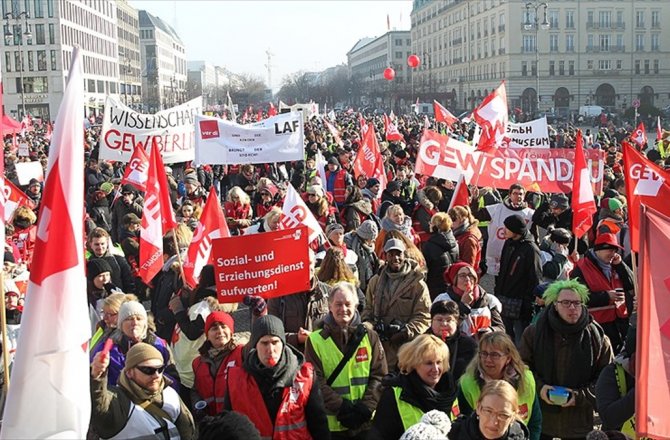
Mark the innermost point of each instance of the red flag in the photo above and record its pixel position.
(443, 115)
(259, 115)
(13, 197)
(334, 132)
(392, 133)
(652, 394)
(659, 132)
(369, 161)
(272, 111)
(212, 224)
(15, 143)
(461, 195)
(491, 116)
(646, 183)
(583, 203)
(363, 124)
(137, 169)
(639, 136)
(51, 366)
(157, 217)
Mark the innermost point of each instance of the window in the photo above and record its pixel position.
(398, 42)
(589, 18)
(31, 63)
(619, 42)
(91, 85)
(604, 43)
(639, 19)
(552, 68)
(654, 42)
(656, 66)
(39, 34)
(639, 42)
(398, 54)
(39, 12)
(524, 68)
(561, 68)
(589, 44)
(637, 67)
(570, 19)
(34, 84)
(52, 34)
(589, 65)
(571, 68)
(655, 19)
(604, 65)
(605, 19)
(101, 86)
(54, 66)
(50, 8)
(646, 67)
(619, 19)
(8, 61)
(41, 60)
(570, 43)
(553, 43)
(619, 64)
(17, 61)
(553, 19)
(529, 43)
(533, 68)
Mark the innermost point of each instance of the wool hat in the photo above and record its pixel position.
(368, 230)
(128, 188)
(393, 185)
(33, 181)
(334, 227)
(333, 161)
(559, 201)
(131, 308)
(372, 181)
(221, 317)
(560, 235)
(606, 240)
(191, 179)
(611, 203)
(141, 352)
(107, 187)
(515, 223)
(270, 188)
(96, 266)
(131, 219)
(452, 271)
(434, 424)
(396, 244)
(267, 325)
(316, 189)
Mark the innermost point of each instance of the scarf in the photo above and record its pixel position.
(279, 376)
(151, 402)
(405, 228)
(441, 397)
(605, 267)
(461, 229)
(388, 284)
(579, 335)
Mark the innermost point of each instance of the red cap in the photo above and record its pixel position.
(607, 240)
(221, 317)
(452, 271)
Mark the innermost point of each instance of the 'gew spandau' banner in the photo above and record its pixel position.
(268, 264)
(276, 139)
(123, 128)
(538, 169)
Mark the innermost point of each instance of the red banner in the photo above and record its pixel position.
(268, 264)
(537, 169)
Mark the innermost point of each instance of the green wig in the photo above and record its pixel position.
(551, 294)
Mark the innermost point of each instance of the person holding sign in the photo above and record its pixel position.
(349, 363)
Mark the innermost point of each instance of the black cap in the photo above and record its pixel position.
(515, 223)
(267, 325)
(96, 266)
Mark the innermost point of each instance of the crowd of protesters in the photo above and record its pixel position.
(396, 337)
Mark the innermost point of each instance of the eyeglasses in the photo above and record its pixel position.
(466, 276)
(567, 303)
(493, 355)
(109, 315)
(444, 321)
(500, 417)
(150, 371)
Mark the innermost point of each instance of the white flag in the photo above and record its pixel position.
(231, 108)
(321, 167)
(295, 212)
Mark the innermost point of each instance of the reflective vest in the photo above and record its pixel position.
(143, 425)
(596, 282)
(339, 185)
(481, 204)
(471, 391)
(213, 389)
(352, 381)
(628, 426)
(411, 415)
(290, 422)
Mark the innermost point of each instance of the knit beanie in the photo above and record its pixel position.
(614, 204)
(191, 179)
(96, 266)
(131, 308)
(560, 235)
(559, 201)
(141, 352)
(372, 181)
(221, 317)
(334, 227)
(433, 425)
(452, 271)
(368, 230)
(515, 223)
(267, 325)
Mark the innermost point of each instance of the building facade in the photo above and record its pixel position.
(202, 82)
(130, 62)
(559, 57)
(164, 65)
(37, 50)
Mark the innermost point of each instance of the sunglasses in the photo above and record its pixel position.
(150, 371)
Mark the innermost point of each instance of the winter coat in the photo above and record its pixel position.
(485, 300)
(440, 252)
(469, 244)
(353, 214)
(166, 283)
(367, 264)
(120, 209)
(613, 408)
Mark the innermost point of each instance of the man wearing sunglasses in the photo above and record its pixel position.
(142, 405)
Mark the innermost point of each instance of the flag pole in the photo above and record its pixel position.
(176, 246)
(5, 343)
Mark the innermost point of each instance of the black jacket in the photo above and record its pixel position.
(545, 219)
(614, 409)
(440, 252)
(367, 263)
(467, 428)
(520, 271)
(166, 283)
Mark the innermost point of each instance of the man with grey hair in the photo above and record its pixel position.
(397, 302)
(349, 363)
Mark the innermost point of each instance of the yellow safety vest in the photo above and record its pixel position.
(481, 204)
(353, 380)
(411, 415)
(628, 427)
(471, 391)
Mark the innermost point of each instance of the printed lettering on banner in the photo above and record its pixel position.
(276, 139)
(531, 134)
(172, 130)
(268, 264)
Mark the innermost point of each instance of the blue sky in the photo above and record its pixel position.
(302, 35)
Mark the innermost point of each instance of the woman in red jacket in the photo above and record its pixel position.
(238, 210)
(466, 230)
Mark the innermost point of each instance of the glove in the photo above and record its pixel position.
(347, 415)
(258, 305)
(363, 412)
(175, 304)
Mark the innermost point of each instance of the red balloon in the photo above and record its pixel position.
(389, 73)
(413, 61)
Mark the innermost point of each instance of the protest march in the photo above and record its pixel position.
(318, 274)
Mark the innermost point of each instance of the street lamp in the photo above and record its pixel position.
(528, 25)
(9, 34)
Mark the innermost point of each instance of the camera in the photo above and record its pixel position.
(380, 328)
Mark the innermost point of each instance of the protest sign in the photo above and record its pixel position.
(24, 150)
(268, 264)
(537, 169)
(531, 134)
(276, 139)
(29, 170)
(123, 128)
(308, 110)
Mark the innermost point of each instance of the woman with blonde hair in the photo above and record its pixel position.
(395, 220)
(110, 315)
(498, 359)
(496, 417)
(466, 230)
(334, 269)
(440, 251)
(238, 210)
(424, 384)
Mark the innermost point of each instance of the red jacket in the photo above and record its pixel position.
(596, 282)
(340, 186)
(213, 389)
(290, 423)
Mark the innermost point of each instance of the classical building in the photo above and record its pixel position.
(557, 55)
(164, 63)
(130, 62)
(39, 36)
(367, 61)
